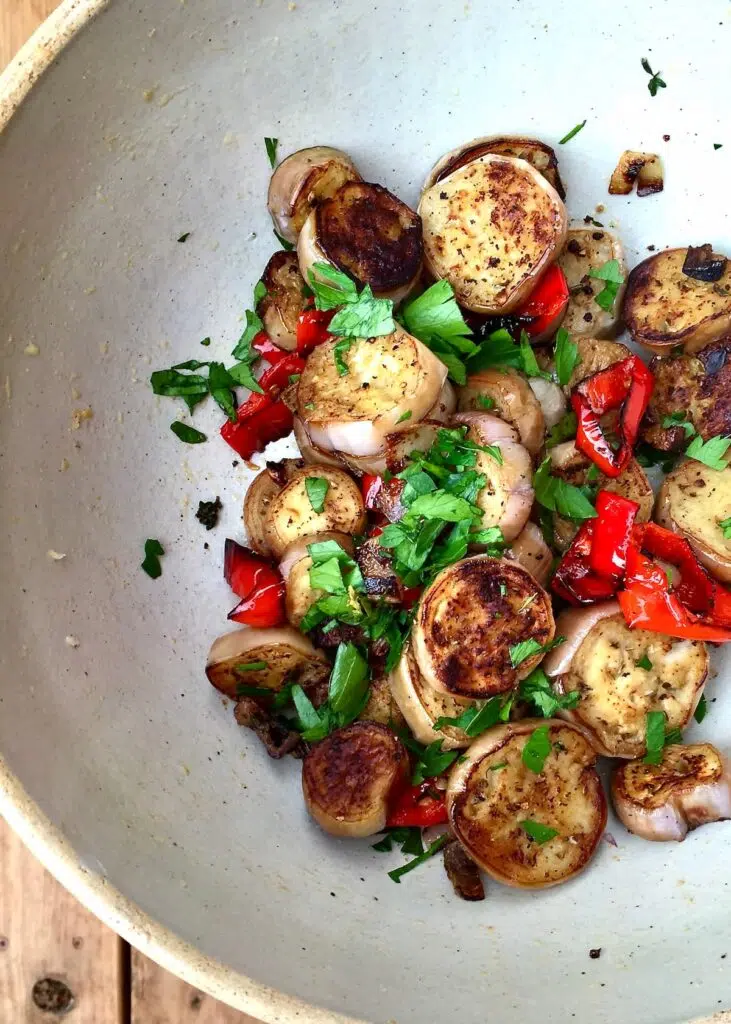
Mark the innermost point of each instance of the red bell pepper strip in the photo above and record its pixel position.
(263, 418)
(626, 385)
(266, 348)
(612, 534)
(257, 583)
(418, 807)
(546, 304)
(574, 579)
(370, 488)
(312, 329)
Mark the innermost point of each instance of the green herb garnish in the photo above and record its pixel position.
(409, 839)
(474, 720)
(537, 749)
(520, 652)
(610, 273)
(287, 246)
(655, 82)
(654, 736)
(271, 147)
(679, 419)
(565, 355)
(347, 696)
(559, 496)
(537, 690)
(484, 402)
(253, 666)
(644, 662)
(725, 528)
(435, 847)
(360, 315)
(701, 710)
(530, 365)
(574, 131)
(151, 564)
(187, 433)
(184, 237)
(564, 430)
(317, 488)
(711, 453)
(540, 833)
(436, 320)
(404, 416)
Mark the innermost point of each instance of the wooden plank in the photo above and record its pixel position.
(46, 934)
(18, 19)
(160, 998)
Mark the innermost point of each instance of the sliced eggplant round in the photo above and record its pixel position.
(303, 180)
(264, 659)
(392, 382)
(349, 778)
(537, 153)
(511, 398)
(422, 705)
(589, 249)
(381, 706)
(262, 490)
(529, 829)
(291, 516)
(662, 802)
(491, 228)
(471, 618)
(311, 454)
(663, 307)
(365, 231)
(616, 688)
(298, 550)
(300, 594)
(280, 308)
(694, 500)
(530, 550)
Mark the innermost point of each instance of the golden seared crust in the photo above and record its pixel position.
(587, 249)
(348, 777)
(487, 804)
(663, 307)
(284, 300)
(293, 661)
(422, 705)
(262, 489)
(381, 706)
(595, 354)
(371, 235)
(303, 180)
(514, 402)
(616, 692)
(468, 620)
(696, 386)
(291, 515)
(490, 228)
(537, 153)
(693, 500)
(682, 770)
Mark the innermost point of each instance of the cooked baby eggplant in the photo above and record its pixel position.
(663, 307)
(392, 382)
(302, 180)
(537, 153)
(588, 249)
(606, 662)
(291, 515)
(422, 705)
(662, 802)
(526, 828)
(470, 619)
(551, 400)
(310, 453)
(294, 567)
(259, 495)
(280, 655)
(462, 872)
(284, 300)
(349, 777)
(507, 496)
(643, 168)
(491, 228)
(530, 550)
(273, 730)
(693, 501)
(689, 389)
(381, 706)
(365, 231)
(512, 400)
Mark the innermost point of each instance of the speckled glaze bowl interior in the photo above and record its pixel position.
(123, 769)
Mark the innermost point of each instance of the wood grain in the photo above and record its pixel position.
(18, 19)
(45, 933)
(160, 998)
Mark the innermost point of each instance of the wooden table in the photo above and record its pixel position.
(51, 949)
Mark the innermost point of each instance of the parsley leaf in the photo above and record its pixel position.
(654, 736)
(243, 350)
(537, 749)
(191, 387)
(564, 430)
(221, 383)
(644, 662)
(151, 564)
(331, 287)
(559, 496)
(725, 528)
(431, 761)
(287, 246)
(679, 419)
(530, 365)
(701, 710)
(474, 720)
(271, 148)
(317, 488)
(711, 453)
(253, 666)
(611, 274)
(187, 433)
(339, 350)
(646, 455)
(367, 317)
(435, 847)
(404, 416)
(537, 690)
(655, 82)
(347, 696)
(566, 356)
(574, 131)
(520, 652)
(498, 349)
(540, 833)
(184, 237)
(436, 320)
(485, 402)
(408, 838)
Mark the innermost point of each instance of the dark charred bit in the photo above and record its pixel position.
(208, 512)
(574, 246)
(273, 732)
(703, 264)
(342, 633)
(374, 562)
(281, 472)
(595, 953)
(463, 873)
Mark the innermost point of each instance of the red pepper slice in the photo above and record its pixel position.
(267, 349)
(637, 401)
(417, 807)
(312, 329)
(591, 441)
(612, 534)
(257, 583)
(263, 418)
(546, 304)
(574, 580)
(370, 487)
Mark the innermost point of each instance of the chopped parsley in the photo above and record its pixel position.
(206, 342)
(718, 145)
(408, 838)
(536, 689)
(657, 736)
(484, 402)
(254, 666)
(610, 273)
(358, 315)
(530, 365)
(339, 351)
(498, 349)
(574, 131)
(655, 82)
(317, 488)
(679, 419)
(271, 148)
(644, 662)
(701, 710)
(287, 246)
(538, 832)
(564, 430)
(151, 564)
(725, 528)
(711, 453)
(474, 720)
(187, 433)
(435, 847)
(436, 320)
(347, 696)
(529, 648)
(208, 512)
(559, 496)
(184, 237)
(565, 355)
(404, 416)
(537, 749)
(646, 455)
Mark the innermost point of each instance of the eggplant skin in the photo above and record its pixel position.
(280, 308)
(663, 307)
(535, 152)
(693, 501)
(586, 249)
(371, 235)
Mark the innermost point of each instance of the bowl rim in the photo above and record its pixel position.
(44, 840)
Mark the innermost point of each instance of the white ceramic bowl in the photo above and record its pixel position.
(123, 770)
